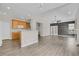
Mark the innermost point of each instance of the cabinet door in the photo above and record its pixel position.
(14, 24)
(16, 35)
(27, 25)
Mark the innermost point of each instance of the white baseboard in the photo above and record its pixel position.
(29, 44)
(44, 35)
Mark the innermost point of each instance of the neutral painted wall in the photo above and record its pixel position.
(6, 29)
(45, 29)
(33, 24)
(0, 33)
(77, 25)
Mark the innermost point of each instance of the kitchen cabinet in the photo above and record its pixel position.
(20, 24)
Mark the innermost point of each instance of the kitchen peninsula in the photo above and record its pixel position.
(23, 34)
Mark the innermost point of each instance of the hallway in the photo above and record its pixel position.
(47, 46)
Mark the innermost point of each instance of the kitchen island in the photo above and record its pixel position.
(25, 37)
(28, 37)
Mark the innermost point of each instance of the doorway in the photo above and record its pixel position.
(39, 28)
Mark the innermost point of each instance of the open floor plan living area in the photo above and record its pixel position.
(39, 29)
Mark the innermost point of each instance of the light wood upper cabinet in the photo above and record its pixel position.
(14, 23)
(23, 24)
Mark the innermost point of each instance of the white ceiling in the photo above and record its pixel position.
(25, 9)
(65, 12)
(69, 10)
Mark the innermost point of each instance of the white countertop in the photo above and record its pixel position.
(19, 30)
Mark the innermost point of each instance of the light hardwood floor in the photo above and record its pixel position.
(47, 46)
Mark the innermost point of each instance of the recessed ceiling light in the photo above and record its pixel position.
(69, 12)
(8, 8)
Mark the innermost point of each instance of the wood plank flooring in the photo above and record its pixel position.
(47, 46)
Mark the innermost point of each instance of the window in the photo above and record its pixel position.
(71, 26)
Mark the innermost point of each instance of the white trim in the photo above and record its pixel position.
(29, 44)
